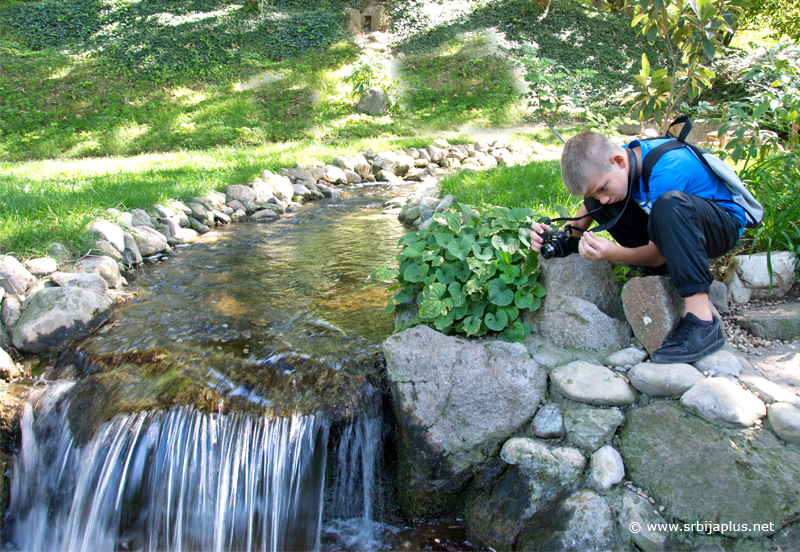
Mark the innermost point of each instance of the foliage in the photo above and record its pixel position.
(775, 182)
(571, 34)
(366, 73)
(173, 40)
(460, 81)
(692, 31)
(766, 118)
(551, 85)
(470, 279)
(782, 17)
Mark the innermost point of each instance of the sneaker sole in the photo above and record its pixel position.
(669, 359)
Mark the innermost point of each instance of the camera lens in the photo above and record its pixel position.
(547, 251)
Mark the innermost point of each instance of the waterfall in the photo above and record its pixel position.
(167, 480)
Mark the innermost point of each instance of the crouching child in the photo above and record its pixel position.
(673, 224)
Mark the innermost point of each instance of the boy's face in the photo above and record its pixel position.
(611, 186)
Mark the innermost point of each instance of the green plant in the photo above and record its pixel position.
(551, 86)
(766, 119)
(692, 31)
(774, 182)
(471, 279)
(366, 73)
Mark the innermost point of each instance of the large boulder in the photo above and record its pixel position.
(54, 316)
(455, 403)
(110, 232)
(701, 471)
(582, 308)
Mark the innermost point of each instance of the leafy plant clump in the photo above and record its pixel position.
(472, 278)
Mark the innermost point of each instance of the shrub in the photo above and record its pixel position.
(469, 279)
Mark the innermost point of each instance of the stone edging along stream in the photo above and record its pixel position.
(51, 301)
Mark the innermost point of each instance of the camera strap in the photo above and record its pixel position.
(632, 178)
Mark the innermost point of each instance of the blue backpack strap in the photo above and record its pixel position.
(654, 155)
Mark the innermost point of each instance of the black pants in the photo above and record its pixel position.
(687, 229)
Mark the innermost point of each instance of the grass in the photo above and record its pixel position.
(536, 185)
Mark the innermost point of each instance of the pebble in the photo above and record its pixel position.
(662, 508)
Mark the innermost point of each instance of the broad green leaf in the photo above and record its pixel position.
(523, 300)
(443, 321)
(445, 275)
(503, 256)
(539, 290)
(472, 325)
(512, 313)
(484, 255)
(499, 294)
(415, 272)
(514, 334)
(460, 312)
(443, 239)
(451, 220)
(461, 271)
(496, 322)
(458, 296)
(645, 66)
(414, 249)
(460, 249)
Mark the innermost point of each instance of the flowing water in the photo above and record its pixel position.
(235, 404)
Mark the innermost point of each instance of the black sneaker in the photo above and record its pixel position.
(691, 340)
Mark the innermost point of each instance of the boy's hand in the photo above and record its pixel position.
(595, 248)
(536, 235)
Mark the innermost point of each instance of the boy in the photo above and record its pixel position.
(685, 217)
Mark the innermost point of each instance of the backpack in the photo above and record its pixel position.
(741, 196)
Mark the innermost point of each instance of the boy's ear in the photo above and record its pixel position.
(619, 159)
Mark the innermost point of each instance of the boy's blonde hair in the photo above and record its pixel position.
(585, 155)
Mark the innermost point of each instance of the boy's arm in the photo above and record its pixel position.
(595, 248)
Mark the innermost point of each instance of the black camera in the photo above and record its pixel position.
(558, 244)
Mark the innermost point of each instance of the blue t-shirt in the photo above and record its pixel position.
(679, 170)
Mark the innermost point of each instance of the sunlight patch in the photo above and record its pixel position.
(187, 96)
(171, 20)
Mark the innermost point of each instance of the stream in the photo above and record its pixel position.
(237, 403)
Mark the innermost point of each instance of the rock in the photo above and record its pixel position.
(721, 401)
(11, 311)
(281, 186)
(586, 522)
(441, 143)
(722, 362)
(718, 295)
(563, 465)
(590, 428)
(148, 240)
(140, 218)
(548, 422)
(573, 322)
(638, 513)
(607, 468)
(8, 368)
(264, 214)
(104, 266)
(591, 384)
(653, 309)
(773, 322)
(664, 380)
(105, 249)
(753, 272)
(180, 206)
(625, 357)
(335, 175)
(700, 471)
(769, 392)
(352, 177)
(391, 178)
(41, 266)
(785, 421)
(14, 278)
(385, 162)
(131, 255)
(54, 316)
(110, 232)
(92, 282)
(455, 417)
(374, 101)
(236, 205)
(175, 230)
(237, 192)
(737, 291)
